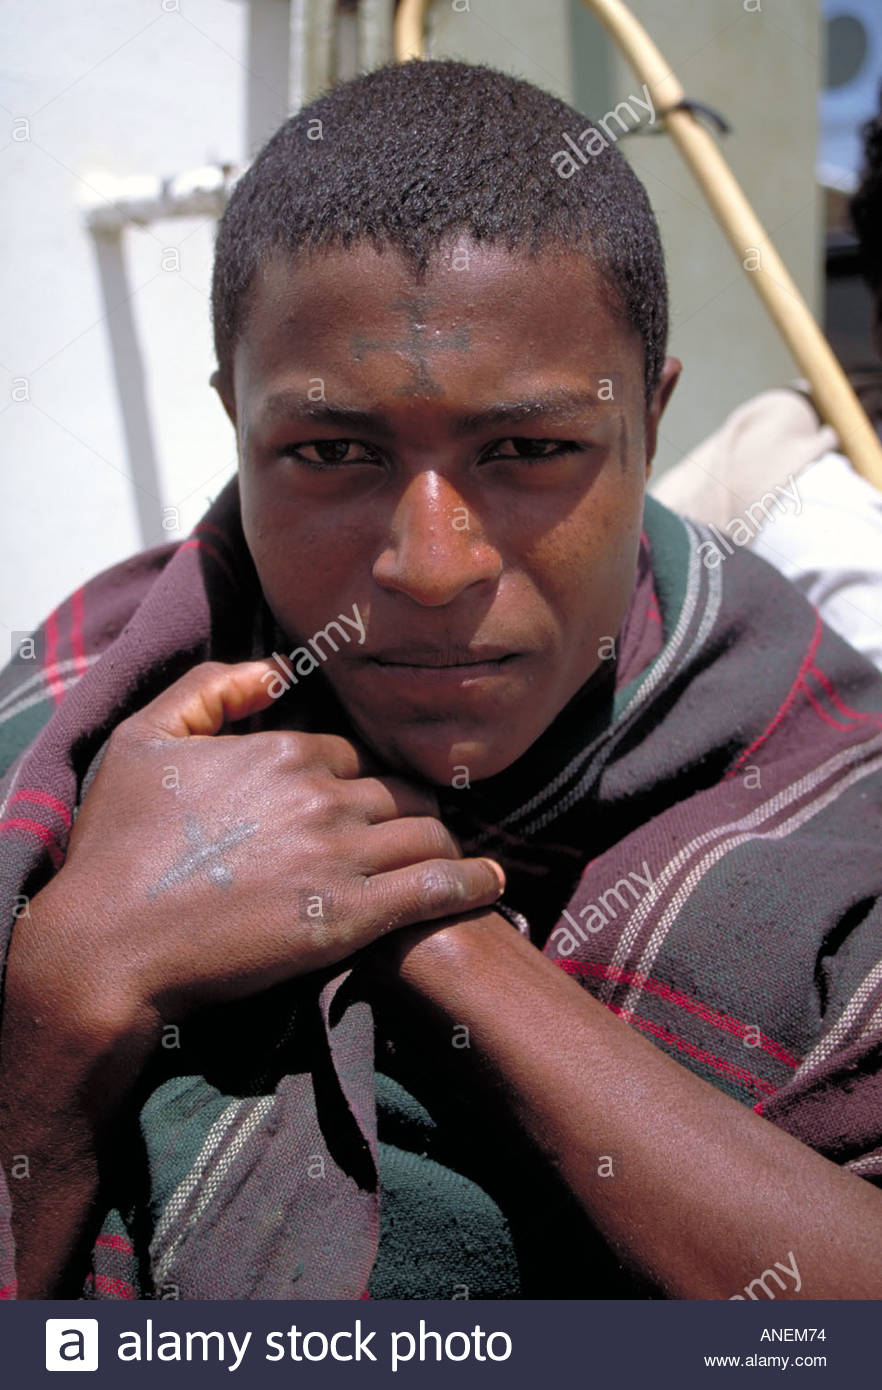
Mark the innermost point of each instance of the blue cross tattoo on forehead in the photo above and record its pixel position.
(416, 345)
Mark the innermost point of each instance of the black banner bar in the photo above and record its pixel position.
(462, 1344)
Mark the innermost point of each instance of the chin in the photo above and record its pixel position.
(443, 761)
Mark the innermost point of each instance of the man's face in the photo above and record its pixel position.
(461, 464)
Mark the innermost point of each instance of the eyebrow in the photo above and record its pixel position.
(566, 404)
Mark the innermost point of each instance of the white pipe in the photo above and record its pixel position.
(146, 198)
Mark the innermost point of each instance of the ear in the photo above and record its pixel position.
(670, 375)
(224, 389)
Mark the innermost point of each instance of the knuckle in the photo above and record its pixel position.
(438, 839)
(378, 906)
(292, 748)
(440, 884)
(342, 747)
(316, 796)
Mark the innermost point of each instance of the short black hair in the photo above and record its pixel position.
(866, 205)
(413, 152)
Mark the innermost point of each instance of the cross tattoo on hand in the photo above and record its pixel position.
(416, 345)
(204, 855)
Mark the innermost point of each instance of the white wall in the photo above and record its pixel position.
(109, 88)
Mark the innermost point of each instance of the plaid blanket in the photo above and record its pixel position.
(709, 827)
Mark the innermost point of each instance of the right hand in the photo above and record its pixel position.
(196, 858)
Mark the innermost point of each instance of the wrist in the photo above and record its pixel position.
(68, 991)
(425, 957)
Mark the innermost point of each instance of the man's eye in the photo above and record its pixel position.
(533, 449)
(329, 452)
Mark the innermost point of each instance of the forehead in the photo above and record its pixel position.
(479, 310)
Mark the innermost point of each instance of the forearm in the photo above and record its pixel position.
(704, 1194)
(51, 1166)
(63, 1084)
(49, 1152)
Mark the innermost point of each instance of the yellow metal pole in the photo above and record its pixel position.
(410, 24)
(835, 398)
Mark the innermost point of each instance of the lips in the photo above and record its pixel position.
(440, 658)
(435, 677)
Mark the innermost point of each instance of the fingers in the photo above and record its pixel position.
(427, 891)
(216, 693)
(399, 843)
(345, 759)
(298, 750)
(379, 799)
(207, 697)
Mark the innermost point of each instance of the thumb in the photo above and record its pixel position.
(209, 696)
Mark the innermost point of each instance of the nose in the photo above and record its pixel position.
(437, 547)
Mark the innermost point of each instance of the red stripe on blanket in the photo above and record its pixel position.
(703, 1011)
(112, 1242)
(10, 1290)
(819, 710)
(840, 704)
(56, 685)
(33, 827)
(210, 550)
(43, 799)
(720, 1064)
(214, 531)
(783, 708)
(113, 1288)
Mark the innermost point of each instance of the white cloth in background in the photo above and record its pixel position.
(832, 549)
(763, 443)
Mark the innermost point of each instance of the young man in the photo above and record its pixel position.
(269, 1029)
